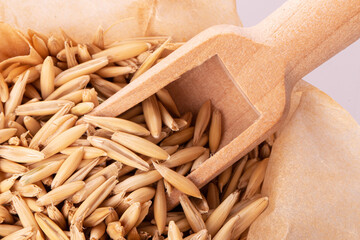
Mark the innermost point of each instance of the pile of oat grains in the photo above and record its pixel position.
(69, 175)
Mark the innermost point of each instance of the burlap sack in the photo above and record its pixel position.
(314, 170)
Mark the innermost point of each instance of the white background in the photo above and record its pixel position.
(339, 77)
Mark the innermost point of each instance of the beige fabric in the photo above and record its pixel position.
(130, 18)
(313, 174)
(314, 171)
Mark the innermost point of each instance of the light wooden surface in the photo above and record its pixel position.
(247, 73)
(338, 77)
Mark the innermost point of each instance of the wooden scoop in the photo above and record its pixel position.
(248, 73)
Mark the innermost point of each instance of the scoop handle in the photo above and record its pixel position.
(309, 32)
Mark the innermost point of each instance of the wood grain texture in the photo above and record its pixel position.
(309, 32)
